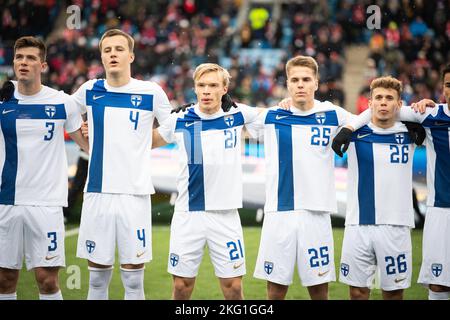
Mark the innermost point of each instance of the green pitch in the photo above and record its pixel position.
(74, 278)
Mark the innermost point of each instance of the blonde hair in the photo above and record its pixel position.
(212, 67)
(387, 82)
(117, 32)
(303, 61)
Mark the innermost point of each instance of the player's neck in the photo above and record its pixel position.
(209, 111)
(118, 80)
(28, 88)
(304, 106)
(383, 124)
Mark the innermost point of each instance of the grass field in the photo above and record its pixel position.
(158, 282)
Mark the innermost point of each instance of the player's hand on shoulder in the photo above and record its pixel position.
(416, 132)
(84, 129)
(285, 104)
(7, 91)
(181, 108)
(422, 105)
(341, 141)
(227, 103)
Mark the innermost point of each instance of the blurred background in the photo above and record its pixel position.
(409, 39)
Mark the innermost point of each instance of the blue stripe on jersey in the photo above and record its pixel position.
(95, 180)
(281, 116)
(442, 167)
(366, 182)
(221, 123)
(41, 111)
(9, 172)
(439, 121)
(285, 168)
(96, 162)
(196, 183)
(367, 135)
(101, 99)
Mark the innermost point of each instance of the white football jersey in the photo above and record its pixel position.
(33, 161)
(299, 158)
(379, 184)
(436, 122)
(120, 121)
(210, 157)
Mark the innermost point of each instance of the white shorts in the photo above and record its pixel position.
(221, 231)
(301, 236)
(107, 218)
(370, 248)
(435, 267)
(33, 231)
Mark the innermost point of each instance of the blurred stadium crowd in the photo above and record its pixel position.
(173, 36)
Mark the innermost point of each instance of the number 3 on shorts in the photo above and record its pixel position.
(53, 245)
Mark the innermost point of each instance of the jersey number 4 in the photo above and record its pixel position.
(134, 119)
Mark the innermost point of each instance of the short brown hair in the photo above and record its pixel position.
(28, 41)
(212, 67)
(387, 82)
(303, 61)
(117, 32)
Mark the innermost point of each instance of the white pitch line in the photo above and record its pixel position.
(72, 232)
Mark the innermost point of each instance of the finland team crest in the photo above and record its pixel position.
(50, 111)
(268, 267)
(436, 269)
(136, 100)
(399, 137)
(174, 259)
(90, 246)
(320, 117)
(229, 120)
(345, 269)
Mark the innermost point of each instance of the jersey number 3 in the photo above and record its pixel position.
(51, 129)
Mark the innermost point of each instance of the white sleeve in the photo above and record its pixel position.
(344, 116)
(167, 128)
(359, 121)
(73, 122)
(256, 127)
(406, 113)
(161, 105)
(79, 97)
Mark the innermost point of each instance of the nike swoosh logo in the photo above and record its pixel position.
(360, 136)
(321, 274)
(399, 280)
(280, 117)
(50, 257)
(189, 124)
(97, 97)
(440, 123)
(8, 111)
(236, 266)
(140, 254)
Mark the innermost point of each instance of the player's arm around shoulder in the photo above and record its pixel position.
(162, 106)
(254, 119)
(165, 133)
(74, 123)
(79, 96)
(418, 111)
